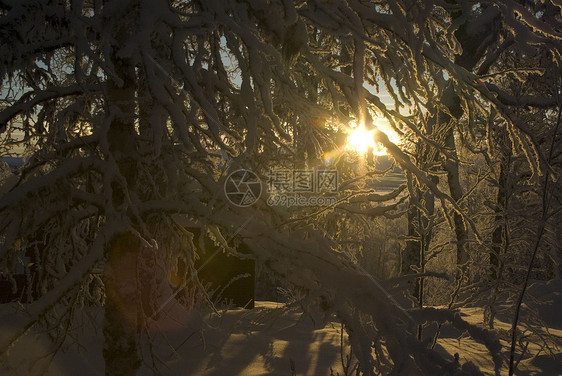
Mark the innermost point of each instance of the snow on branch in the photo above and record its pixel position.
(32, 99)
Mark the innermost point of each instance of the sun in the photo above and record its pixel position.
(361, 140)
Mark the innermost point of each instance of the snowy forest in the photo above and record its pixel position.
(141, 139)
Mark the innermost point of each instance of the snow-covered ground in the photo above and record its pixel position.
(268, 340)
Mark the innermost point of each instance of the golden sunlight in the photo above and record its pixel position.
(361, 140)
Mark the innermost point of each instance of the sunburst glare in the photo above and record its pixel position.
(361, 140)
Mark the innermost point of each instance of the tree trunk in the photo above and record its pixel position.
(456, 191)
(420, 210)
(473, 46)
(121, 350)
(499, 233)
